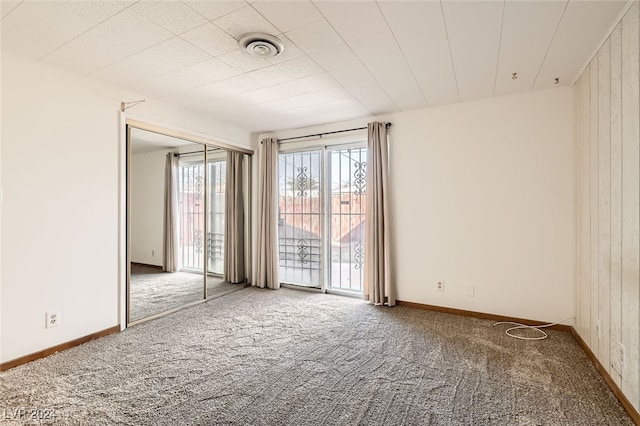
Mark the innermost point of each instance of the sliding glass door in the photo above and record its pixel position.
(321, 210)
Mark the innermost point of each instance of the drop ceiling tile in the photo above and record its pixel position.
(215, 9)
(290, 51)
(299, 68)
(519, 52)
(191, 97)
(353, 20)
(7, 6)
(315, 37)
(351, 73)
(335, 58)
(329, 112)
(211, 39)
(157, 90)
(236, 85)
(123, 35)
(96, 11)
(244, 21)
(242, 61)
(209, 92)
(310, 99)
(369, 93)
(583, 25)
(287, 89)
(223, 104)
(287, 16)
(420, 31)
(314, 82)
(162, 58)
(255, 80)
(175, 16)
(198, 74)
(34, 29)
(474, 35)
(390, 69)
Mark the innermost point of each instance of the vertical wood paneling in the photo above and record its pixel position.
(607, 132)
(604, 193)
(616, 197)
(631, 201)
(594, 207)
(585, 208)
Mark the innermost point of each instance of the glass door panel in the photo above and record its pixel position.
(300, 216)
(347, 183)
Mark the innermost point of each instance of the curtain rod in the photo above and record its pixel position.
(327, 133)
(178, 154)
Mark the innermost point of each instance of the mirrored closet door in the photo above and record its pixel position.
(187, 220)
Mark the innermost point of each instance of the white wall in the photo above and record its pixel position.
(147, 207)
(482, 195)
(60, 175)
(607, 130)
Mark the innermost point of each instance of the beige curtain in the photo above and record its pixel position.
(170, 234)
(267, 247)
(234, 270)
(377, 257)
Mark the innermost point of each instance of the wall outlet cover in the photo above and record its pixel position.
(52, 319)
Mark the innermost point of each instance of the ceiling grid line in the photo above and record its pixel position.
(12, 9)
(550, 44)
(495, 81)
(357, 57)
(403, 54)
(198, 12)
(453, 65)
(81, 34)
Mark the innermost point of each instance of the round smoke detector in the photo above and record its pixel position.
(261, 45)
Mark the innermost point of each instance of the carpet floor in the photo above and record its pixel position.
(287, 357)
(154, 291)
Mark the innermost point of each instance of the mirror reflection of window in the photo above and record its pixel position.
(187, 223)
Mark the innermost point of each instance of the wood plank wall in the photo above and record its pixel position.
(607, 136)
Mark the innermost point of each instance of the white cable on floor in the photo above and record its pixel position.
(537, 328)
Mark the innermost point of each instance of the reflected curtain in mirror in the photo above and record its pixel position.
(170, 262)
(234, 267)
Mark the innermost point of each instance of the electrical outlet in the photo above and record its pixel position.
(153, 253)
(440, 286)
(52, 319)
(469, 291)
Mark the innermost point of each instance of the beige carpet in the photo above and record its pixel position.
(287, 357)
